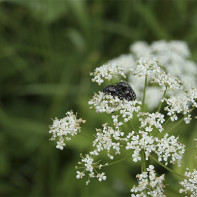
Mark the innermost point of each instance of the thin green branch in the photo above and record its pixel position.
(176, 125)
(144, 95)
(160, 105)
(115, 162)
(161, 164)
(143, 164)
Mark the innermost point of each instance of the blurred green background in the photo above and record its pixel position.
(47, 50)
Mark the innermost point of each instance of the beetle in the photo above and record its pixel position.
(122, 90)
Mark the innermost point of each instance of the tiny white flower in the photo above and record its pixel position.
(64, 128)
(189, 184)
(149, 183)
(101, 176)
(80, 175)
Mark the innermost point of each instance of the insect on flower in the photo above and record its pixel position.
(122, 90)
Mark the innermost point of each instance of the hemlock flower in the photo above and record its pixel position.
(107, 103)
(167, 82)
(146, 66)
(181, 105)
(88, 165)
(65, 128)
(131, 129)
(189, 184)
(107, 139)
(168, 149)
(149, 184)
(148, 120)
(173, 55)
(107, 71)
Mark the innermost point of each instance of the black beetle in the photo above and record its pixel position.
(122, 90)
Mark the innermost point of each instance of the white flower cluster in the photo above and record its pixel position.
(190, 183)
(125, 61)
(138, 143)
(174, 55)
(64, 128)
(107, 139)
(146, 66)
(192, 96)
(168, 149)
(107, 103)
(181, 104)
(177, 105)
(149, 184)
(167, 81)
(89, 167)
(148, 120)
(107, 71)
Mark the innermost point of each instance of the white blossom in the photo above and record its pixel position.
(167, 81)
(140, 142)
(192, 97)
(107, 103)
(146, 66)
(174, 55)
(65, 128)
(80, 175)
(101, 176)
(125, 61)
(148, 120)
(177, 105)
(107, 139)
(107, 71)
(168, 149)
(88, 165)
(189, 184)
(149, 184)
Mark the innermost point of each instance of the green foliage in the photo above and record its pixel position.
(48, 48)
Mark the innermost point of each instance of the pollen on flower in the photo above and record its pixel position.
(189, 184)
(149, 184)
(62, 130)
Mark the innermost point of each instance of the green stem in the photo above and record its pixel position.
(115, 162)
(160, 105)
(132, 126)
(144, 95)
(178, 123)
(161, 164)
(143, 165)
(166, 122)
(175, 125)
(188, 149)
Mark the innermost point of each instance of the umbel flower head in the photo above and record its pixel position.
(65, 128)
(149, 184)
(189, 184)
(133, 128)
